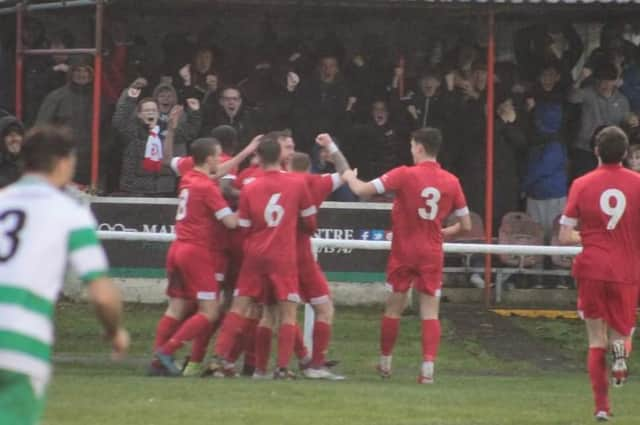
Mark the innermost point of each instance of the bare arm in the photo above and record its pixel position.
(107, 301)
(234, 162)
(337, 157)
(357, 186)
(169, 140)
(462, 225)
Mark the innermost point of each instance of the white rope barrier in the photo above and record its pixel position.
(449, 248)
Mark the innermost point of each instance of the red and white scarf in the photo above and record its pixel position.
(153, 152)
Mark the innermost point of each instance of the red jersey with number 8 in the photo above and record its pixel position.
(606, 205)
(425, 196)
(200, 207)
(270, 208)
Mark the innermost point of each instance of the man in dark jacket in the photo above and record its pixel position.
(323, 105)
(72, 105)
(231, 111)
(11, 137)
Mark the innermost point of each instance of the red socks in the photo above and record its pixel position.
(167, 326)
(388, 334)
(190, 329)
(321, 338)
(286, 338)
(200, 343)
(230, 334)
(249, 342)
(597, 364)
(430, 339)
(299, 348)
(263, 348)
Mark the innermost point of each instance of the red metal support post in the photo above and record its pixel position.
(491, 53)
(97, 95)
(19, 59)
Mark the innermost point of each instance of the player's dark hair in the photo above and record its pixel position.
(612, 144)
(227, 136)
(430, 138)
(269, 150)
(300, 162)
(44, 146)
(280, 134)
(203, 148)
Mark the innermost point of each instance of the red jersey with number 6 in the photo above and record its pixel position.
(606, 205)
(200, 207)
(425, 195)
(270, 208)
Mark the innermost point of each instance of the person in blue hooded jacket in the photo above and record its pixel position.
(545, 183)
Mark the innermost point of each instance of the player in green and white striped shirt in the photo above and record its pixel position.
(42, 230)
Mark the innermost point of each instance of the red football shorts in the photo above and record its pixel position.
(191, 270)
(268, 285)
(314, 288)
(613, 302)
(425, 278)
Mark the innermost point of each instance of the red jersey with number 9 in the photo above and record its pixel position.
(605, 203)
(270, 208)
(425, 196)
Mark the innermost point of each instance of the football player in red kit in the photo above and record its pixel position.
(270, 210)
(191, 261)
(605, 203)
(425, 195)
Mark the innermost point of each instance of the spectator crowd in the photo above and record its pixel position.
(549, 103)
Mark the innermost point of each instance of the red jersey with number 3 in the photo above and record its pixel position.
(605, 204)
(270, 208)
(200, 207)
(425, 196)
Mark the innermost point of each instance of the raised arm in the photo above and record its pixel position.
(234, 162)
(337, 157)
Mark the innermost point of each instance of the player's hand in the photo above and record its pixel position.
(324, 140)
(349, 175)
(255, 142)
(174, 116)
(120, 344)
(193, 104)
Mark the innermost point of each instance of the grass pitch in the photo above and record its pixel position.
(475, 382)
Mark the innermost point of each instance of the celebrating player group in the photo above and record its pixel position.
(242, 274)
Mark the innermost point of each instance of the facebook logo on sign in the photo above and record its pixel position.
(364, 234)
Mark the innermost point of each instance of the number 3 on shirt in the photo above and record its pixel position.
(182, 204)
(273, 213)
(431, 197)
(616, 211)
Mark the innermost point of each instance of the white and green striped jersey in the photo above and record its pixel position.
(42, 230)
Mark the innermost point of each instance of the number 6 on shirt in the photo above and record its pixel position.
(431, 197)
(273, 213)
(616, 211)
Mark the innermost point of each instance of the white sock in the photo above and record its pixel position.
(385, 362)
(427, 369)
